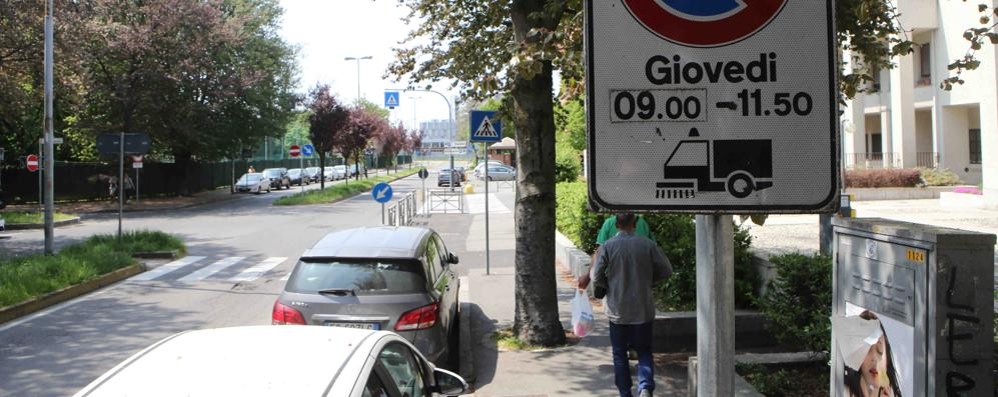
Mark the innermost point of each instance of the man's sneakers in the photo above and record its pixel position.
(644, 393)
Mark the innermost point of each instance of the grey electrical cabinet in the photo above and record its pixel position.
(912, 310)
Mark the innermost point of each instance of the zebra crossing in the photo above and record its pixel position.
(235, 269)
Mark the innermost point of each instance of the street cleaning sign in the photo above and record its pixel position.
(721, 106)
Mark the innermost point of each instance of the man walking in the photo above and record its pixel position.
(628, 266)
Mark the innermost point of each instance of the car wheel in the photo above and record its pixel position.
(453, 341)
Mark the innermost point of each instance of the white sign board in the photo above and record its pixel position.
(722, 106)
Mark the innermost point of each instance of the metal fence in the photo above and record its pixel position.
(444, 200)
(89, 181)
(402, 212)
(888, 160)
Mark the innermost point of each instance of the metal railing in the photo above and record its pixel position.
(402, 212)
(872, 160)
(928, 160)
(444, 200)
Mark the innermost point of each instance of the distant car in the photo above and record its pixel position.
(479, 171)
(278, 178)
(379, 278)
(288, 361)
(501, 173)
(446, 177)
(354, 170)
(298, 177)
(252, 183)
(314, 173)
(461, 170)
(340, 172)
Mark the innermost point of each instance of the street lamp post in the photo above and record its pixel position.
(358, 59)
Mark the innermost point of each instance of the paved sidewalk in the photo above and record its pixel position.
(582, 369)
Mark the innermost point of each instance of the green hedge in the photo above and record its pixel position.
(798, 301)
(24, 278)
(677, 236)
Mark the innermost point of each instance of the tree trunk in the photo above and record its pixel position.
(536, 319)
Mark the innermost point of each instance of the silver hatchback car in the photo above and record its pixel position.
(379, 278)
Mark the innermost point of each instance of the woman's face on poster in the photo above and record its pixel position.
(874, 369)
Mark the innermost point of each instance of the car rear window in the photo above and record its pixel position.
(362, 277)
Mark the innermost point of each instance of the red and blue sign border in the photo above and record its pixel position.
(704, 33)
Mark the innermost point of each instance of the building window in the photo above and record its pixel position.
(925, 65)
(874, 86)
(975, 146)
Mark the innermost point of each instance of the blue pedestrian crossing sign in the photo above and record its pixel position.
(382, 192)
(391, 99)
(485, 127)
(307, 150)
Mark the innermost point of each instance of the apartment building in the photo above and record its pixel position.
(909, 121)
(438, 134)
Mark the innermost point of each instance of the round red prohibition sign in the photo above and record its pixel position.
(31, 163)
(704, 23)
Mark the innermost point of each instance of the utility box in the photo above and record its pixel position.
(912, 310)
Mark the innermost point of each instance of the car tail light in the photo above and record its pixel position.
(421, 318)
(285, 315)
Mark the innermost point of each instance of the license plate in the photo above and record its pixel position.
(373, 326)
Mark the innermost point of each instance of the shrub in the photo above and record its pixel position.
(677, 236)
(902, 177)
(573, 217)
(939, 177)
(798, 302)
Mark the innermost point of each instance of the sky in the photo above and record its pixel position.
(329, 30)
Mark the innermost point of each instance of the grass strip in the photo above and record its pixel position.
(341, 190)
(24, 278)
(31, 218)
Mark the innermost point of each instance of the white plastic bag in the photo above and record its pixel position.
(582, 314)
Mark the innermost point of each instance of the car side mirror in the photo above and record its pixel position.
(451, 258)
(449, 383)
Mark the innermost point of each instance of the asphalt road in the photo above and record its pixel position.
(246, 247)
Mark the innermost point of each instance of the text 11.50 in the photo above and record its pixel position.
(783, 104)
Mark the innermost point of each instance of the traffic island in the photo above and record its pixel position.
(32, 283)
(342, 191)
(24, 220)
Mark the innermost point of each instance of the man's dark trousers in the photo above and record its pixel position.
(637, 337)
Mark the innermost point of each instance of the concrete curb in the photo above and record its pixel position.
(231, 197)
(28, 226)
(156, 255)
(25, 308)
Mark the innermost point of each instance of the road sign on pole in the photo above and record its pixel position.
(391, 99)
(382, 193)
(295, 151)
(485, 127)
(31, 163)
(712, 106)
(307, 150)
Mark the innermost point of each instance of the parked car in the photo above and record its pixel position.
(314, 173)
(278, 178)
(501, 173)
(378, 278)
(461, 171)
(252, 183)
(298, 177)
(446, 176)
(340, 171)
(289, 361)
(479, 171)
(354, 170)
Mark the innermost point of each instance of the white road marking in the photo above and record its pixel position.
(169, 267)
(476, 204)
(211, 269)
(256, 271)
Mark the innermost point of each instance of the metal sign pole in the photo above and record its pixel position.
(121, 180)
(487, 256)
(136, 185)
(382, 214)
(301, 166)
(49, 154)
(715, 272)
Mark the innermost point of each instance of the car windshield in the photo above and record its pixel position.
(272, 173)
(363, 277)
(249, 178)
(294, 172)
(340, 168)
